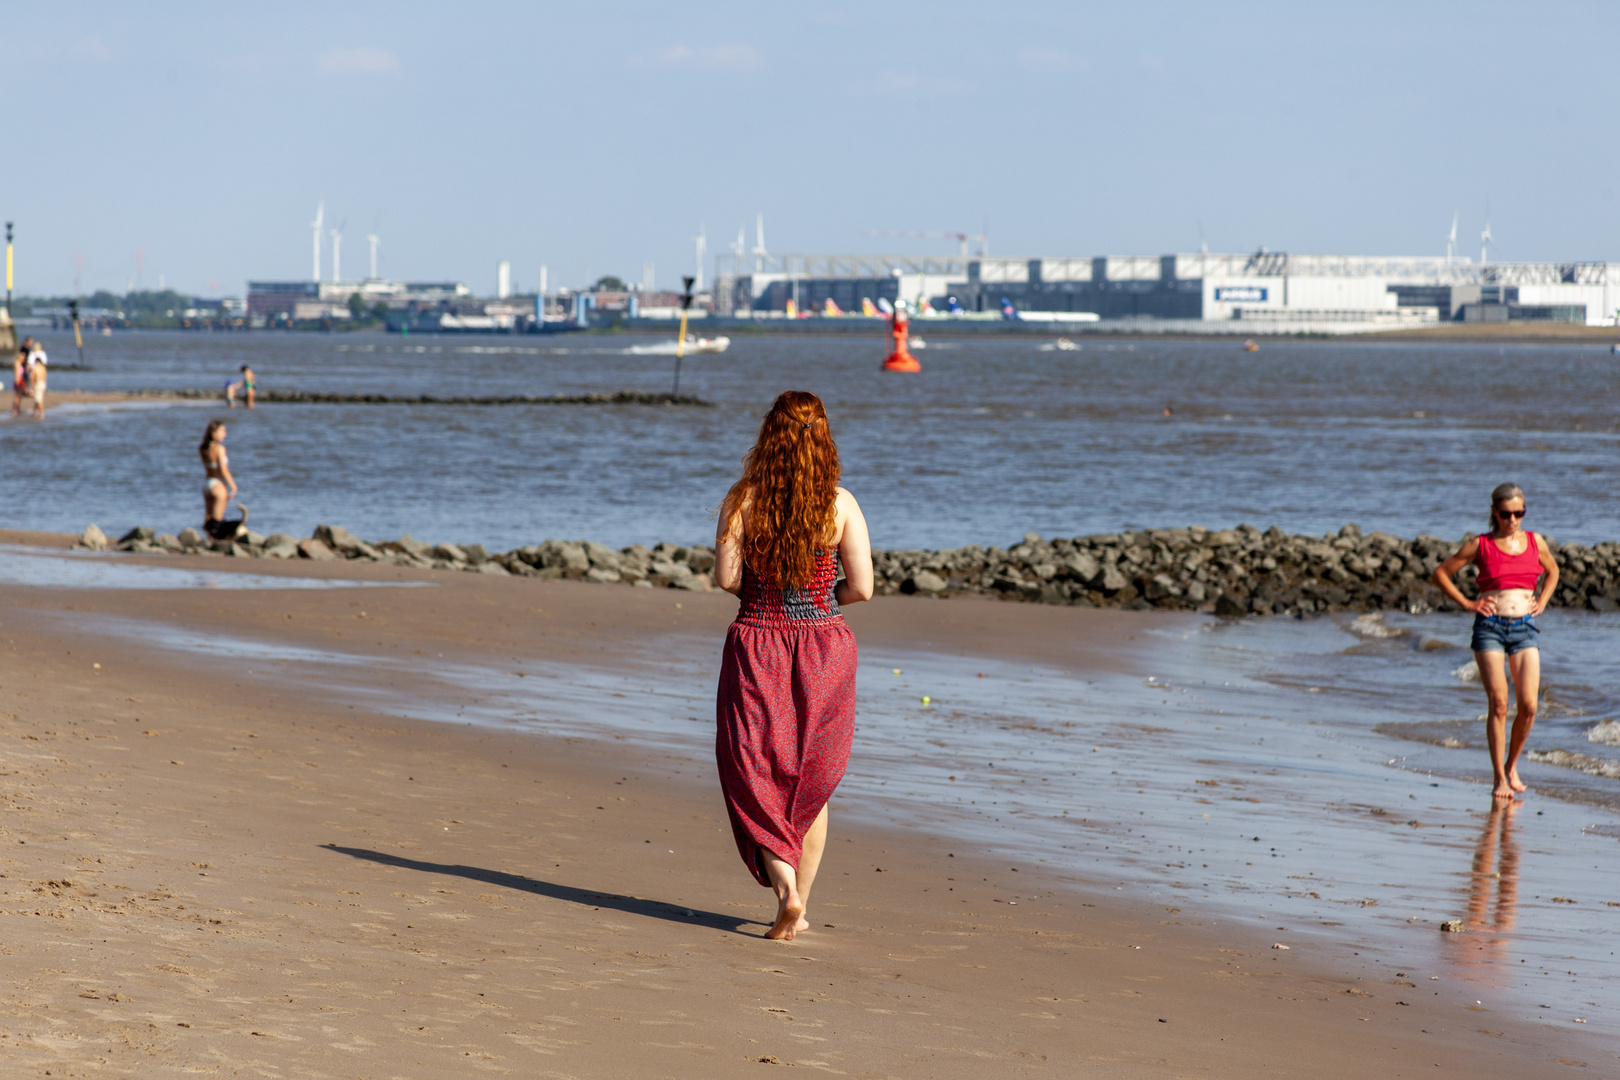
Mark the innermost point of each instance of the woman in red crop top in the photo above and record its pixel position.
(1510, 560)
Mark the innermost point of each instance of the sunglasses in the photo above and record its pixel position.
(1505, 514)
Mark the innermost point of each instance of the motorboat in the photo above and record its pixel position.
(693, 345)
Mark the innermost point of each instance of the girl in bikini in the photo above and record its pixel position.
(220, 487)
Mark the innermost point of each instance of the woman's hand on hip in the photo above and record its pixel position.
(1485, 606)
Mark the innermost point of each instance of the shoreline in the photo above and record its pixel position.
(182, 823)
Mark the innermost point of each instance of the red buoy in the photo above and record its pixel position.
(900, 359)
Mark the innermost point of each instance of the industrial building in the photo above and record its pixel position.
(1260, 292)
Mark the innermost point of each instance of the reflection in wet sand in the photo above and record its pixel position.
(1493, 891)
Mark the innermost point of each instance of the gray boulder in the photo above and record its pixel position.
(316, 550)
(93, 538)
(1080, 565)
(924, 581)
(602, 557)
(449, 553)
(1109, 580)
(692, 583)
(140, 534)
(407, 545)
(190, 538)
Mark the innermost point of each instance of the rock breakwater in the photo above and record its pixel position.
(1228, 572)
(312, 397)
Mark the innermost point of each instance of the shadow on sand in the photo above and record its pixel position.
(630, 905)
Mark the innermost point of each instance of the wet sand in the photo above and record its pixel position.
(206, 873)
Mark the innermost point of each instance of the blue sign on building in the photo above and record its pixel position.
(1245, 294)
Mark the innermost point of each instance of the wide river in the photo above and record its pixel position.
(1325, 776)
(994, 439)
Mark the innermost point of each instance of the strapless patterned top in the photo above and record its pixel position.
(765, 604)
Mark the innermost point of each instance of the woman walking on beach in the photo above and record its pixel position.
(1510, 560)
(786, 709)
(220, 487)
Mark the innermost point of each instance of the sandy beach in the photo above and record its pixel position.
(208, 873)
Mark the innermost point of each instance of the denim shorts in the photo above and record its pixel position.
(1494, 633)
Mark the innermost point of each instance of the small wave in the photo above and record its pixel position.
(1469, 672)
(1451, 734)
(1372, 625)
(1586, 763)
(1607, 733)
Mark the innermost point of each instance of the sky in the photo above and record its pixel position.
(593, 139)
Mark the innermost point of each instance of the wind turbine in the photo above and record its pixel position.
(320, 218)
(1485, 242)
(740, 246)
(1451, 241)
(337, 254)
(702, 240)
(759, 243)
(373, 240)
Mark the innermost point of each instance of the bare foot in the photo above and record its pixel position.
(789, 919)
(1513, 780)
(1502, 792)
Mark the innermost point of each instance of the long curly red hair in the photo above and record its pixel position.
(790, 483)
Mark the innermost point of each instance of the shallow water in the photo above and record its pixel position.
(20, 565)
(993, 439)
(1199, 781)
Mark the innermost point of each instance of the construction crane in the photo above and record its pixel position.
(960, 238)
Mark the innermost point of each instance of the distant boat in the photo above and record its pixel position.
(1249, 346)
(918, 343)
(1062, 344)
(1615, 349)
(693, 345)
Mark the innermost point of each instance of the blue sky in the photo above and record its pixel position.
(593, 139)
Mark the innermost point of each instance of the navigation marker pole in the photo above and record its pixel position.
(8, 270)
(78, 338)
(680, 342)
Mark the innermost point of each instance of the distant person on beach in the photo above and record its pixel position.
(1510, 560)
(220, 487)
(34, 375)
(242, 383)
(786, 708)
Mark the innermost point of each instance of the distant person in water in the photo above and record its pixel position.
(220, 486)
(242, 383)
(19, 376)
(1510, 560)
(34, 374)
(786, 703)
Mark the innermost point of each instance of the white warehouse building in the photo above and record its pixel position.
(1263, 291)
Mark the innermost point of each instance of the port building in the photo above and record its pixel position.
(1249, 293)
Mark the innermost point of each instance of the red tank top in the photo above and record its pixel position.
(1499, 570)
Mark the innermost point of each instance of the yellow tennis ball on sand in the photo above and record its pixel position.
(927, 700)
